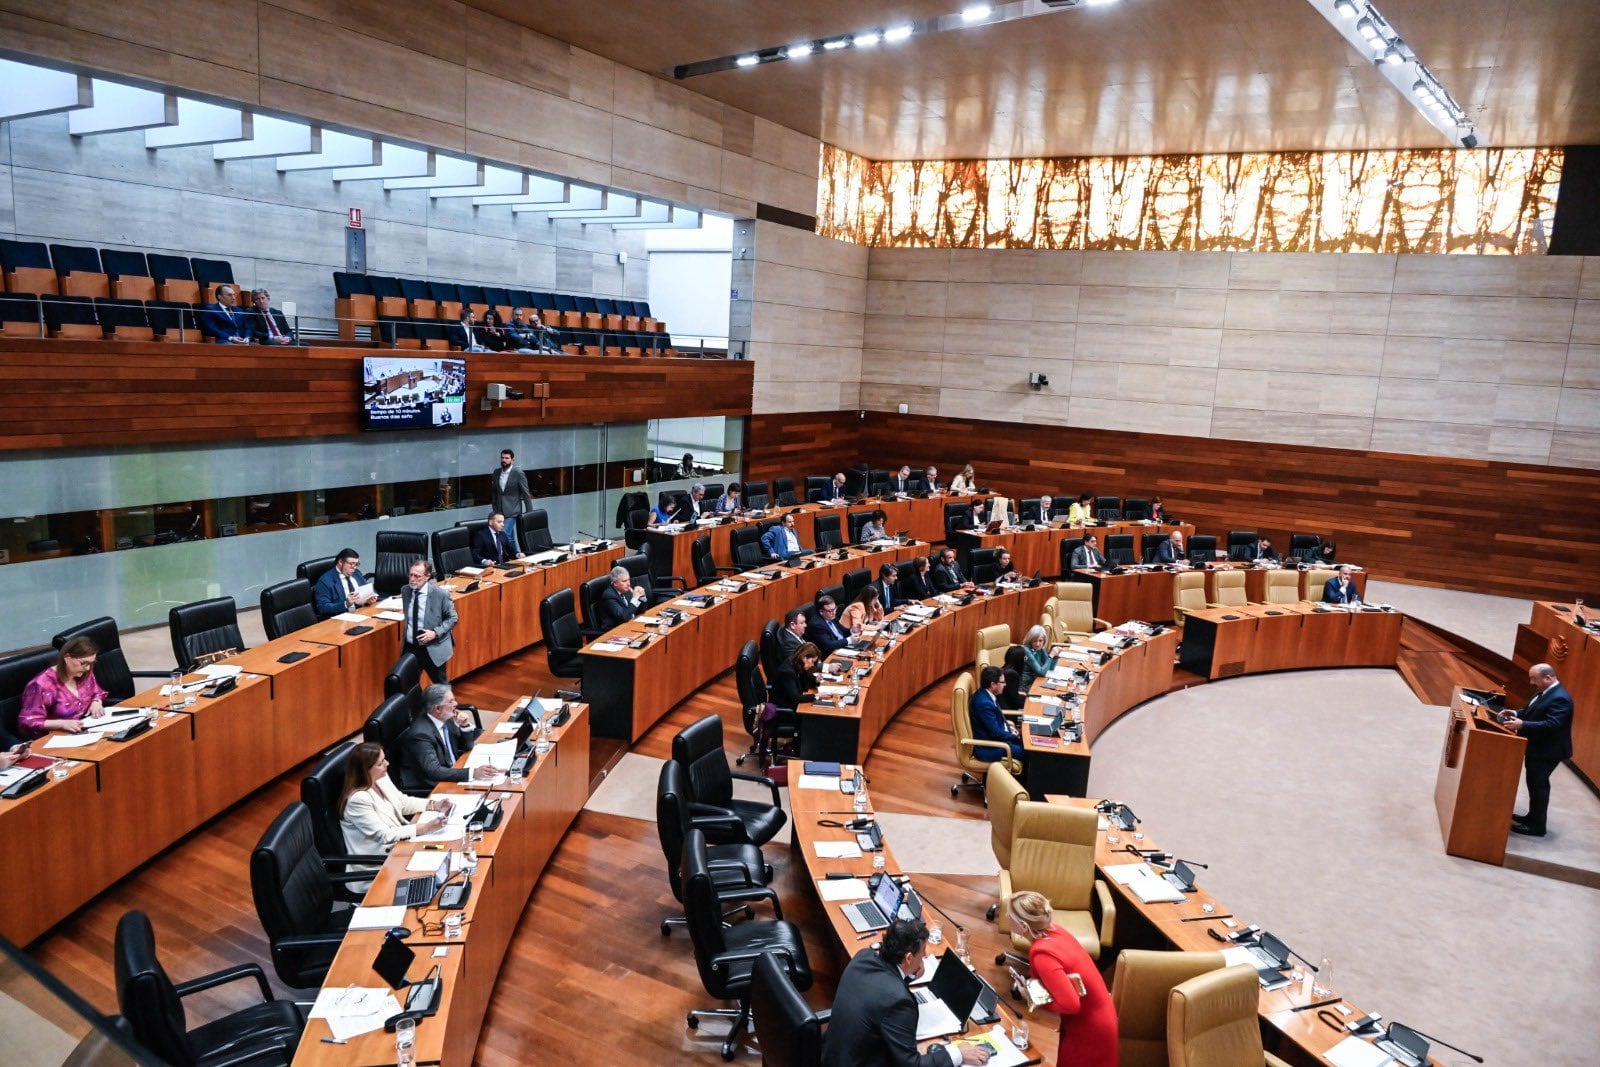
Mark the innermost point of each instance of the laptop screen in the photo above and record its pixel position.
(957, 985)
(887, 898)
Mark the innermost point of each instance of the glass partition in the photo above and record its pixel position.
(49, 1025)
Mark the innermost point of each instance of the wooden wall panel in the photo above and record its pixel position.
(67, 395)
(1512, 529)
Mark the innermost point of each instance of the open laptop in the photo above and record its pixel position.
(1405, 1045)
(944, 1004)
(415, 892)
(877, 913)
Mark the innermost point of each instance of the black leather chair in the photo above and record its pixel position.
(745, 544)
(533, 531)
(319, 792)
(726, 955)
(630, 502)
(1069, 545)
(1135, 509)
(855, 581)
(957, 516)
(405, 679)
(818, 487)
(286, 607)
(563, 637)
(1202, 549)
(1304, 548)
(472, 526)
(854, 522)
(1241, 543)
(705, 566)
(755, 495)
(754, 695)
(1150, 544)
(658, 588)
(769, 646)
(740, 873)
(788, 1030)
(111, 665)
(697, 748)
(1028, 509)
(1108, 508)
(452, 550)
(589, 594)
(204, 627)
(294, 896)
(313, 569)
(828, 535)
(16, 672)
(983, 565)
(1119, 549)
(636, 534)
(396, 551)
(152, 1004)
(784, 490)
(877, 483)
(713, 490)
(387, 722)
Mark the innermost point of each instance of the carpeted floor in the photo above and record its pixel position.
(1489, 621)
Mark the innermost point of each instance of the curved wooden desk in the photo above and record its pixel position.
(1039, 549)
(1226, 642)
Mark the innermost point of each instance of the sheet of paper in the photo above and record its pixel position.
(611, 644)
(1002, 1053)
(1354, 1052)
(427, 860)
(365, 591)
(544, 557)
(350, 616)
(1155, 890)
(1123, 873)
(837, 850)
(11, 775)
(497, 754)
(82, 740)
(550, 704)
(448, 834)
(1104, 639)
(470, 572)
(221, 670)
(818, 781)
(832, 690)
(392, 616)
(929, 965)
(1232, 957)
(390, 603)
(507, 727)
(351, 1011)
(380, 918)
(832, 889)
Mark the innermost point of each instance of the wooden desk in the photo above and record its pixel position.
(1227, 642)
(1039, 549)
(1476, 789)
(1130, 594)
(50, 837)
(1575, 654)
(1255, 581)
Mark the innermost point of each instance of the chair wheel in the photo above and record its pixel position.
(955, 789)
(728, 1053)
(666, 928)
(694, 1023)
(994, 909)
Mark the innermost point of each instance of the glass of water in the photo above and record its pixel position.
(935, 933)
(1019, 1032)
(175, 696)
(1323, 986)
(405, 1041)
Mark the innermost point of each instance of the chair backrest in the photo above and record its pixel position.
(957, 515)
(788, 1031)
(387, 722)
(1119, 548)
(989, 647)
(286, 607)
(1230, 588)
(1213, 1019)
(1240, 543)
(783, 489)
(1202, 549)
(405, 679)
(638, 568)
(589, 594)
(1052, 852)
(203, 627)
(1312, 583)
(630, 503)
(961, 722)
(1188, 593)
(855, 521)
(697, 748)
(1074, 608)
(1135, 508)
(319, 792)
(146, 997)
(1108, 508)
(855, 581)
(1283, 586)
(745, 544)
(751, 684)
(292, 892)
(818, 487)
(1001, 794)
(1149, 544)
(452, 550)
(16, 672)
(1028, 509)
(313, 569)
(673, 819)
(703, 914)
(472, 526)
(533, 531)
(877, 483)
(705, 566)
(769, 647)
(396, 551)
(1069, 545)
(1305, 547)
(981, 565)
(828, 536)
(563, 637)
(111, 665)
(755, 495)
(1141, 988)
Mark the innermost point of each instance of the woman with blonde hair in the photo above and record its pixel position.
(1071, 985)
(965, 482)
(866, 607)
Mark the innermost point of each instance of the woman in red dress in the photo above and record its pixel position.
(1088, 1021)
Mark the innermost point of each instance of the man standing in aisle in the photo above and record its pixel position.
(1547, 724)
(429, 618)
(510, 493)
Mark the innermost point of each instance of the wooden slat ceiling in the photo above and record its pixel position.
(1136, 77)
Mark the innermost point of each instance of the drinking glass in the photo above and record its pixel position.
(1019, 1032)
(405, 1041)
(1323, 987)
(877, 861)
(935, 933)
(175, 697)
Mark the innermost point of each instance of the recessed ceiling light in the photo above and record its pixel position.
(1369, 30)
(835, 44)
(896, 34)
(798, 51)
(1098, 3)
(1393, 54)
(1346, 8)
(747, 61)
(975, 13)
(867, 40)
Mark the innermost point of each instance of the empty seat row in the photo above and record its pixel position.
(363, 299)
(32, 315)
(436, 334)
(80, 270)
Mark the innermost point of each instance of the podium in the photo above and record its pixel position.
(1477, 784)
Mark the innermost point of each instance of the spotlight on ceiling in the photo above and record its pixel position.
(799, 51)
(747, 61)
(1369, 29)
(867, 40)
(835, 44)
(975, 13)
(1394, 54)
(1346, 8)
(896, 34)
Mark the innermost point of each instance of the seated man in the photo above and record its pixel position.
(792, 634)
(1341, 589)
(268, 326)
(1171, 550)
(930, 480)
(520, 336)
(781, 542)
(223, 321)
(620, 602)
(1036, 512)
(433, 742)
(901, 483)
(888, 576)
(1264, 552)
(823, 630)
(465, 335)
(947, 576)
(492, 545)
(875, 1014)
(988, 724)
(731, 499)
(1088, 555)
(837, 490)
(337, 590)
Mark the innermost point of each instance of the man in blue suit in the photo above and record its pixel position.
(781, 542)
(223, 321)
(336, 591)
(988, 724)
(1547, 724)
(1341, 589)
(823, 630)
(492, 544)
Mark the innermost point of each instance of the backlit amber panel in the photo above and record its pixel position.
(1484, 201)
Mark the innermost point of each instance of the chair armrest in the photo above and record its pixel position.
(722, 959)
(670, 579)
(150, 674)
(1103, 908)
(824, 1016)
(745, 776)
(223, 977)
(704, 815)
(309, 940)
(255, 1056)
(731, 570)
(1101, 624)
(755, 893)
(376, 861)
(349, 877)
(1178, 612)
(1005, 898)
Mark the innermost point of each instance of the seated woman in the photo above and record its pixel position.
(373, 813)
(796, 677)
(1015, 695)
(866, 607)
(916, 585)
(60, 697)
(1082, 511)
(873, 528)
(492, 334)
(666, 507)
(1038, 661)
(965, 482)
(1055, 958)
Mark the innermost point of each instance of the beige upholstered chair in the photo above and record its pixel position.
(973, 769)
(1230, 589)
(1283, 586)
(1314, 581)
(1212, 1021)
(1001, 794)
(1074, 611)
(1140, 989)
(990, 646)
(1052, 852)
(1188, 593)
(1048, 621)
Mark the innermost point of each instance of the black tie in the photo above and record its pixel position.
(416, 618)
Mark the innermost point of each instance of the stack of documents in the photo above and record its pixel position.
(351, 1011)
(837, 850)
(844, 889)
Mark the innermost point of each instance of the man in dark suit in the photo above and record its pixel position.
(823, 630)
(792, 634)
(1341, 589)
(223, 321)
(1263, 550)
(620, 601)
(1088, 554)
(930, 480)
(466, 334)
(947, 576)
(429, 618)
(901, 483)
(433, 742)
(267, 324)
(336, 590)
(508, 492)
(888, 575)
(1547, 724)
(988, 723)
(493, 543)
(874, 1021)
(1171, 550)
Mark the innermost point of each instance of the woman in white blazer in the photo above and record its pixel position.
(373, 813)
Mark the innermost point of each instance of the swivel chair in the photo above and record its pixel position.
(294, 896)
(202, 628)
(697, 748)
(111, 665)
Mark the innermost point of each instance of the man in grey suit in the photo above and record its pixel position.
(1087, 555)
(509, 493)
(433, 742)
(429, 618)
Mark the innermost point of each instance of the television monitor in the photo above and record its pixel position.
(411, 393)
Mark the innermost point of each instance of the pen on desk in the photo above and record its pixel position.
(334, 1041)
(1203, 918)
(1318, 1004)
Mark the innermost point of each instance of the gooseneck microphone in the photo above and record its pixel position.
(1469, 1055)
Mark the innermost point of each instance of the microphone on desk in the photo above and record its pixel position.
(1470, 1055)
(948, 917)
(590, 536)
